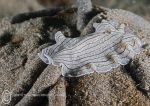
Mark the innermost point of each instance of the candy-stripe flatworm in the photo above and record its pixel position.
(107, 48)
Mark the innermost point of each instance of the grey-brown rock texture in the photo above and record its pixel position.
(30, 82)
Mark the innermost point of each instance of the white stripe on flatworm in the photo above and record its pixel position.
(107, 48)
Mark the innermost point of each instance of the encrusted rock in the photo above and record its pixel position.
(23, 74)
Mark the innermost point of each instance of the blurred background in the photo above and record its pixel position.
(12, 7)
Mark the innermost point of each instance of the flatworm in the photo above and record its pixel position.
(108, 47)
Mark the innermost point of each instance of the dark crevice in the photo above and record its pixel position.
(5, 38)
(91, 14)
(71, 98)
(24, 60)
(75, 32)
(136, 75)
(31, 15)
(42, 100)
(144, 46)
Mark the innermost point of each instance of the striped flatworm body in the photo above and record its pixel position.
(108, 47)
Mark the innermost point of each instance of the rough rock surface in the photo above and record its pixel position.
(23, 73)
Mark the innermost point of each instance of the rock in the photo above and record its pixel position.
(25, 78)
